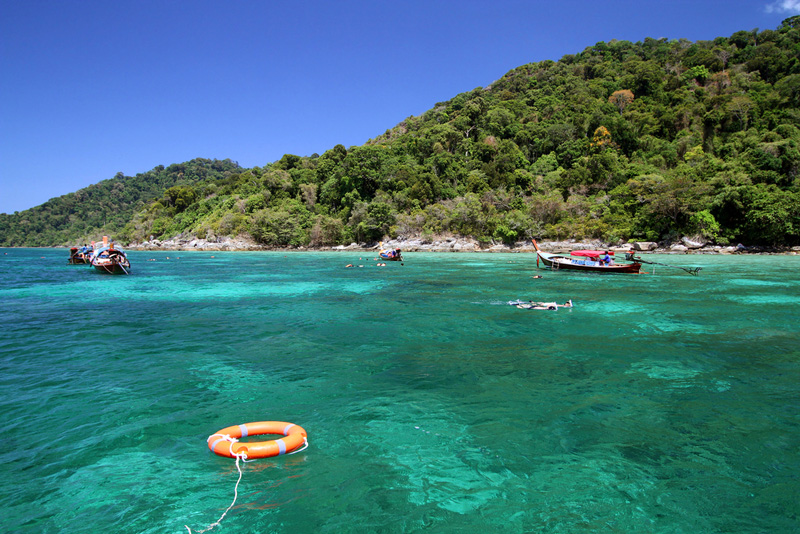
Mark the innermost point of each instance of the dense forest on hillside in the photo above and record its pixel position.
(105, 208)
(651, 140)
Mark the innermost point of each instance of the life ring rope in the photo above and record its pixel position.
(295, 440)
(304, 447)
(231, 440)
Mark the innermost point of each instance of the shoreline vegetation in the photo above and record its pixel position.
(461, 245)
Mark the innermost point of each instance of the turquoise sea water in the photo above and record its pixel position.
(660, 403)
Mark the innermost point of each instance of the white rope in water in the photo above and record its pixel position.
(243, 457)
(304, 447)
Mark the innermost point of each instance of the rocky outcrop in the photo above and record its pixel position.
(455, 244)
(693, 243)
(644, 246)
(444, 244)
(179, 243)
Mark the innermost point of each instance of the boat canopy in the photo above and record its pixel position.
(111, 248)
(591, 253)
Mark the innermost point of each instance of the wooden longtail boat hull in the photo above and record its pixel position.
(390, 255)
(111, 268)
(557, 262)
(80, 256)
(110, 260)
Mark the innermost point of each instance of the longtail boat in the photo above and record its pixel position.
(586, 260)
(110, 259)
(390, 254)
(80, 255)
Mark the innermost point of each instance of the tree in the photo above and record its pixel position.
(699, 73)
(601, 138)
(774, 216)
(704, 223)
(326, 231)
(284, 225)
(309, 193)
(724, 55)
(180, 197)
(740, 106)
(621, 99)
(371, 222)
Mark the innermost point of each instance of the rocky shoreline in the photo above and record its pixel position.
(460, 244)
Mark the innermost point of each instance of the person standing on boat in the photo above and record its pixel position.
(607, 259)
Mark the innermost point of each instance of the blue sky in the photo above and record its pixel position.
(89, 88)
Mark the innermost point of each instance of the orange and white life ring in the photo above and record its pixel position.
(225, 442)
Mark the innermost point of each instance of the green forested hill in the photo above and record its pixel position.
(650, 140)
(103, 208)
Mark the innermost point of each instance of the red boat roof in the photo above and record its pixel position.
(591, 252)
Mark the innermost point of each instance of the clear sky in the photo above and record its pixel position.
(89, 88)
